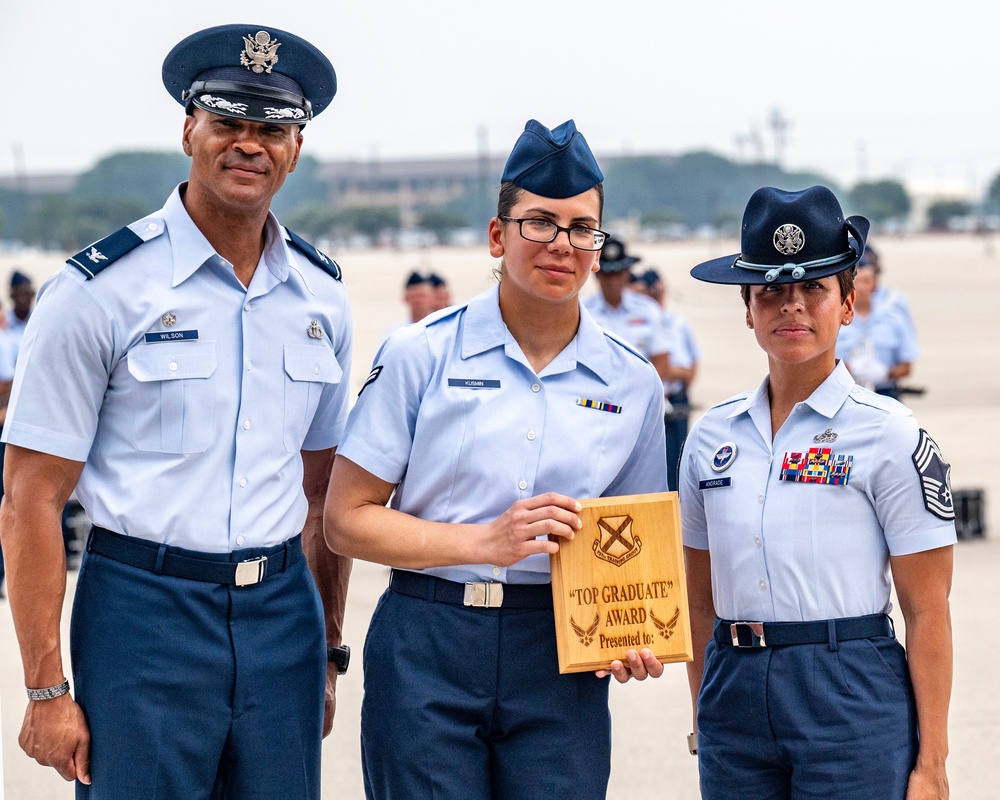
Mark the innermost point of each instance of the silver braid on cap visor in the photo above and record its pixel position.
(798, 271)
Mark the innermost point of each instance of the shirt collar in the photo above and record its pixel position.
(826, 399)
(484, 329)
(191, 250)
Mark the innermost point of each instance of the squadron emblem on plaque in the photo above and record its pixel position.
(617, 544)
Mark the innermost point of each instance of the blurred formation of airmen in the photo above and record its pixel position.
(880, 345)
(684, 357)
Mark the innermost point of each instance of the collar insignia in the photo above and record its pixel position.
(789, 239)
(260, 53)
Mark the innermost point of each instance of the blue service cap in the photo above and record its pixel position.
(18, 279)
(251, 72)
(553, 163)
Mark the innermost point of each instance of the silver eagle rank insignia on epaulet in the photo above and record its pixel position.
(105, 252)
(319, 258)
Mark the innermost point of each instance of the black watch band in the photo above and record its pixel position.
(341, 656)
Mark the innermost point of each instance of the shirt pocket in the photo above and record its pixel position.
(174, 411)
(309, 369)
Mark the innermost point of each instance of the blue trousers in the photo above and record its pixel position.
(467, 704)
(832, 721)
(194, 690)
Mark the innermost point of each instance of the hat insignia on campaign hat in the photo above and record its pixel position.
(789, 239)
(260, 54)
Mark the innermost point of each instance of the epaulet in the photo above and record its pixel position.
(105, 252)
(320, 259)
(442, 314)
(618, 340)
(730, 400)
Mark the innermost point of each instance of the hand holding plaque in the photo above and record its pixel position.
(620, 584)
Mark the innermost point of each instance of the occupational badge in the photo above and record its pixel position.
(935, 477)
(259, 53)
(314, 330)
(724, 457)
(168, 319)
(826, 437)
(789, 239)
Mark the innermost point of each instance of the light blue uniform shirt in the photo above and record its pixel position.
(790, 551)
(685, 352)
(886, 335)
(188, 395)
(454, 414)
(638, 320)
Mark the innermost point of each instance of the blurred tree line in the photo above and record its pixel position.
(665, 195)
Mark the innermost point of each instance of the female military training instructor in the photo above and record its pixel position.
(801, 503)
(481, 426)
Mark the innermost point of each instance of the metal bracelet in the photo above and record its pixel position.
(48, 693)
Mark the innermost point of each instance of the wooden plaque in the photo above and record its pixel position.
(620, 584)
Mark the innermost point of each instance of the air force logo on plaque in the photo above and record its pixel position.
(935, 477)
(617, 543)
(586, 635)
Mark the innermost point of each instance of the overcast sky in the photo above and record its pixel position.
(867, 89)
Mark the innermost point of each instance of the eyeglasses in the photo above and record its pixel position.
(541, 230)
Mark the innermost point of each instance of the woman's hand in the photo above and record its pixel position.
(516, 533)
(640, 666)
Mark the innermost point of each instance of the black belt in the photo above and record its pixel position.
(781, 634)
(478, 594)
(256, 565)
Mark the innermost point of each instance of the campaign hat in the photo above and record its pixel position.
(555, 163)
(252, 72)
(788, 237)
(615, 259)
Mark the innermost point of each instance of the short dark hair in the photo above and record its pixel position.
(845, 278)
(510, 194)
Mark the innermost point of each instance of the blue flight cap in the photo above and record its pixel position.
(789, 237)
(435, 280)
(415, 279)
(19, 279)
(556, 163)
(251, 72)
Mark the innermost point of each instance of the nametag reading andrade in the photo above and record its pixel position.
(620, 584)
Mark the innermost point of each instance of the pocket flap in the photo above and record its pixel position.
(167, 363)
(315, 363)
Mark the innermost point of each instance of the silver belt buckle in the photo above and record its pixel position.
(753, 634)
(483, 595)
(251, 571)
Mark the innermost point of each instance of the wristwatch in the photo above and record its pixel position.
(693, 743)
(341, 656)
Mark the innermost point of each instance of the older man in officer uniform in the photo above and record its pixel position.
(189, 375)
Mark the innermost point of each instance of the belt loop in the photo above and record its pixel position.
(432, 589)
(892, 627)
(160, 553)
(90, 539)
(285, 553)
(831, 627)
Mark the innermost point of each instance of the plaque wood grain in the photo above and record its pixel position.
(620, 584)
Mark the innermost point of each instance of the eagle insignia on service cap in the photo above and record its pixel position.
(260, 53)
(789, 239)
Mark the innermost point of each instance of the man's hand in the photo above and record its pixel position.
(330, 704)
(55, 734)
(639, 666)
